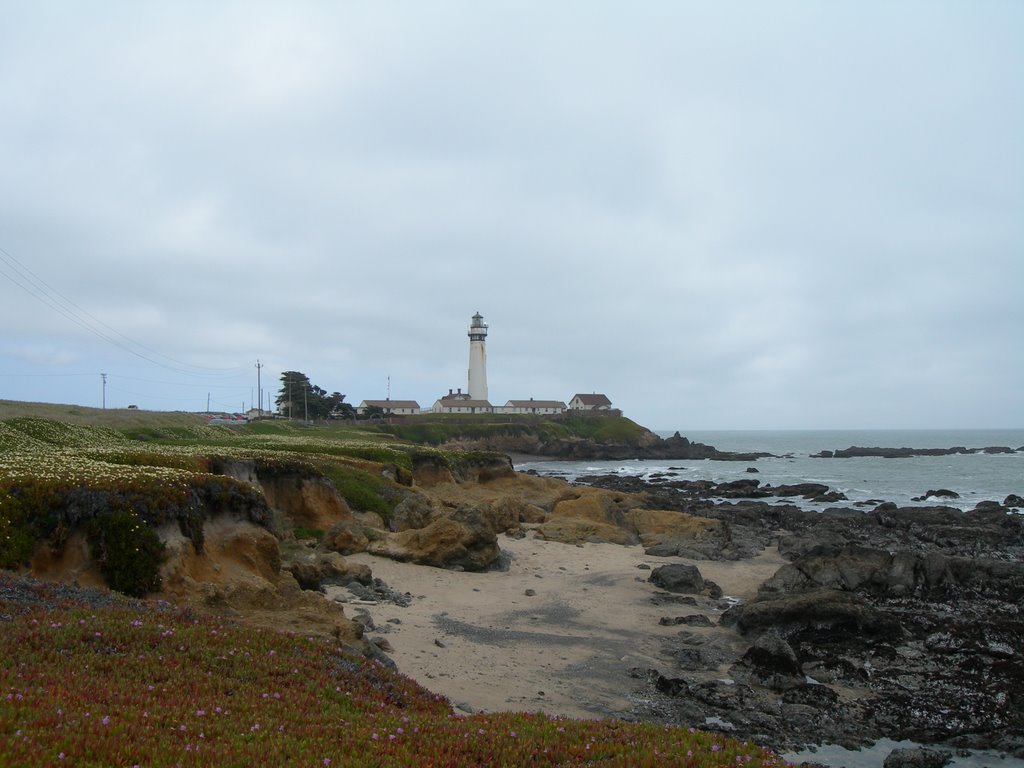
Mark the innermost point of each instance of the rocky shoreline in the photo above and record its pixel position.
(905, 623)
(676, 447)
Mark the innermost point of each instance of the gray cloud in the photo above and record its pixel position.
(788, 215)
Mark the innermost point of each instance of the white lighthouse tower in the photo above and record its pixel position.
(477, 358)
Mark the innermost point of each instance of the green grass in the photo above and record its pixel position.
(89, 680)
(434, 431)
(362, 490)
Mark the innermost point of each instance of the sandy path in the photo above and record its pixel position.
(482, 641)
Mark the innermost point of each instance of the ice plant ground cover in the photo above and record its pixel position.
(56, 477)
(93, 679)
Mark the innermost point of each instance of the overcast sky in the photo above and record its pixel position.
(723, 215)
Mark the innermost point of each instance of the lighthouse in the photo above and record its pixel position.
(477, 358)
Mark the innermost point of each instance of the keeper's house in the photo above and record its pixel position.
(593, 402)
(390, 407)
(533, 406)
(461, 402)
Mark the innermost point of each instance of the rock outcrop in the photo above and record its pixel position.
(464, 539)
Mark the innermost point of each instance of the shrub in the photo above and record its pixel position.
(129, 553)
(302, 532)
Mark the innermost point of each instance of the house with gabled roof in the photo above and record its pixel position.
(462, 404)
(533, 406)
(593, 402)
(390, 407)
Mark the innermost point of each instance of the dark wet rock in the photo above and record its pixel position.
(696, 658)
(683, 579)
(811, 695)
(898, 574)
(819, 609)
(692, 620)
(906, 623)
(918, 757)
(770, 662)
(896, 453)
(941, 493)
(664, 598)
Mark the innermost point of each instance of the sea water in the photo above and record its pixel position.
(866, 480)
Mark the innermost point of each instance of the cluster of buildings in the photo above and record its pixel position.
(474, 399)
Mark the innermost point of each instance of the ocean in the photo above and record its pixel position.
(974, 477)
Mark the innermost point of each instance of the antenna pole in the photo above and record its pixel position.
(259, 386)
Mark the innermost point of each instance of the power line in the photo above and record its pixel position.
(33, 375)
(43, 292)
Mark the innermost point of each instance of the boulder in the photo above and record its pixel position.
(691, 620)
(414, 511)
(819, 609)
(346, 537)
(568, 530)
(531, 514)
(506, 513)
(941, 493)
(681, 532)
(683, 579)
(897, 574)
(315, 569)
(463, 540)
(770, 662)
(590, 517)
(917, 757)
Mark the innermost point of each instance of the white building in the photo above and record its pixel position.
(593, 402)
(477, 358)
(533, 406)
(390, 407)
(461, 404)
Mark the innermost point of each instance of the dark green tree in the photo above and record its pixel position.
(338, 408)
(299, 398)
(294, 394)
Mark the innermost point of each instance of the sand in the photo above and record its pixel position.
(557, 632)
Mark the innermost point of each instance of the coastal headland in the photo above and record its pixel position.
(608, 598)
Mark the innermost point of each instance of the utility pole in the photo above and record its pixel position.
(305, 402)
(104, 377)
(259, 386)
